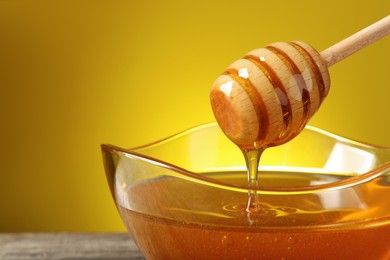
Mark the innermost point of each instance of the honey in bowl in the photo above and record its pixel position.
(184, 198)
(290, 227)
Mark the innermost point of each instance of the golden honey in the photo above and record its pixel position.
(182, 221)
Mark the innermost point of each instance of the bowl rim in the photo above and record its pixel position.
(215, 124)
(196, 177)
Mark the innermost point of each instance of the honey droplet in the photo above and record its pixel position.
(226, 241)
(291, 240)
(248, 238)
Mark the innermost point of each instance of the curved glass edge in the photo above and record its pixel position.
(112, 155)
(201, 138)
(214, 124)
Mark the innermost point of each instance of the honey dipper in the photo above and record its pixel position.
(267, 97)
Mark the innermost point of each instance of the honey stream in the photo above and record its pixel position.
(252, 159)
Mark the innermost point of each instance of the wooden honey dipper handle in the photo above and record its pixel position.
(356, 41)
(267, 97)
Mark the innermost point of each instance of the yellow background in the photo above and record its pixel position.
(75, 74)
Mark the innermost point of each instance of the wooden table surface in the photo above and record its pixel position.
(69, 246)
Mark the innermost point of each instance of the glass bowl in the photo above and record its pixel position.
(320, 196)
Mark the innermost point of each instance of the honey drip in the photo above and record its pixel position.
(252, 158)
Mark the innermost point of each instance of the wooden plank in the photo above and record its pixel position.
(68, 246)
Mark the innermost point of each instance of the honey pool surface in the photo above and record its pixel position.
(181, 219)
